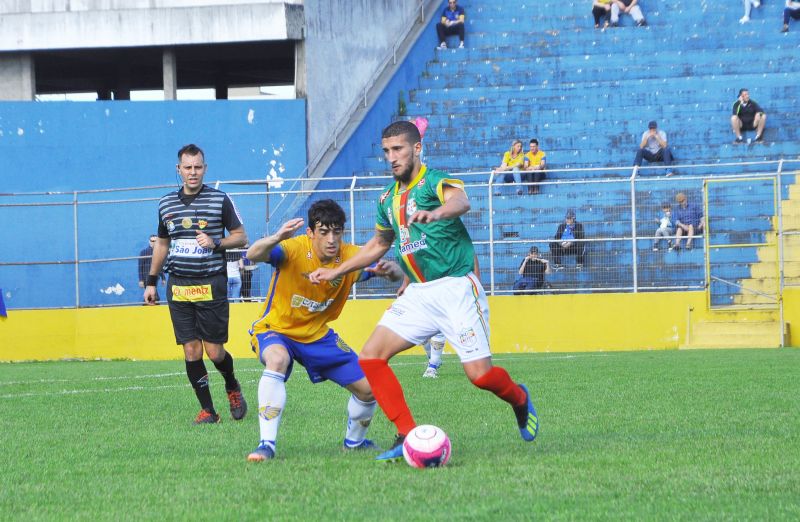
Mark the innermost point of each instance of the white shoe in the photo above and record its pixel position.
(461, 45)
(744, 19)
(756, 4)
(431, 372)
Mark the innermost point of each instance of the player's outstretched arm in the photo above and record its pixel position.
(260, 250)
(456, 203)
(368, 254)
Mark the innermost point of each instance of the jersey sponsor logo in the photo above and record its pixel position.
(186, 222)
(412, 246)
(411, 207)
(202, 224)
(298, 301)
(170, 226)
(467, 337)
(188, 248)
(268, 412)
(192, 293)
(342, 345)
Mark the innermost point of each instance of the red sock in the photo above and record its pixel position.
(499, 382)
(389, 394)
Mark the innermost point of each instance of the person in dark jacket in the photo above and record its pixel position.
(568, 241)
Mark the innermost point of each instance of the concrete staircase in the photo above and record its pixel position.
(737, 329)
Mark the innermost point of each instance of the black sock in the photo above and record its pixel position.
(198, 377)
(225, 368)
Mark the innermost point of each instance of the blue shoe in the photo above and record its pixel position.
(366, 444)
(527, 421)
(261, 453)
(395, 454)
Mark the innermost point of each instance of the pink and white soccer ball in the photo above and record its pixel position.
(426, 446)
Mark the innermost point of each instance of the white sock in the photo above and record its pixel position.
(359, 415)
(436, 344)
(271, 401)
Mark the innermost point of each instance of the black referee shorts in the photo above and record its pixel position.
(199, 308)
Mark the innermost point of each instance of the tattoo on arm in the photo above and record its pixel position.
(385, 237)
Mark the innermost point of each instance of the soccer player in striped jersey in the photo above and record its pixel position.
(420, 214)
(293, 324)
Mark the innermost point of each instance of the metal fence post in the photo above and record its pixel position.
(491, 234)
(75, 242)
(779, 211)
(634, 256)
(353, 221)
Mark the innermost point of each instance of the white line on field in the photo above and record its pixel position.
(179, 374)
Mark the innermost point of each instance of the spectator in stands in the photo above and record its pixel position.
(792, 10)
(665, 228)
(748, 5)
(247, 276)
(688, 220)
(630, 7)
(654, 147)
(452, 23)
(534, 165)
(145, 258)
(601, 10)
(513, 161)
(233, 265)
(568, 241)
(531, 272)
(747, 116)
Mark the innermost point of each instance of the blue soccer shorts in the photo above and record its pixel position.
(329, 358)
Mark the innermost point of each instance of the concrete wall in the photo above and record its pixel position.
(17, 76)
(554, 323)
(346, 41)
(104, 145)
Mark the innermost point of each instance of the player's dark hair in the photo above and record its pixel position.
(326, 212)
(402, 128)
(191, 150)
(742, 90)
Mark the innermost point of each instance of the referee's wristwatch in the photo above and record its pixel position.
(217, 244)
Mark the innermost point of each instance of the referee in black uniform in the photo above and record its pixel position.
(191, 238)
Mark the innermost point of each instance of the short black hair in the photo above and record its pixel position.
(665, 204)
(534, 140)
(534, 250)
(326, 212)
(743, 90)
(191, 150)
(402, 128)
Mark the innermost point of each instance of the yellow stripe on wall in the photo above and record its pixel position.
(519, 324)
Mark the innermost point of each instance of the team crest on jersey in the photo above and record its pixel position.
(170, 226)
(186, 222)
(411, 207)
(336, 282)
(421, 183)
(404, 235)
(342, 345)
(268, 412)
(202, 224)
(468, 337)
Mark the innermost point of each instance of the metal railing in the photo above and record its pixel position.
(615, 209)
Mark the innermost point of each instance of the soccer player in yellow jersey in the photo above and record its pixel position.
(293, 324)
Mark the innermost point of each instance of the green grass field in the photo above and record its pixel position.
(699, 435)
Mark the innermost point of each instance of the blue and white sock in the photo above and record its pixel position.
(359, 415)
(271, 402)
(436, 349)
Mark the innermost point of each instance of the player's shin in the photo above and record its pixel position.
(389, 394)
(435, 356)
(359, 415)
(271, 402)
(499, 382)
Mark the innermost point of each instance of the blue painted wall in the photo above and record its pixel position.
(106, 145)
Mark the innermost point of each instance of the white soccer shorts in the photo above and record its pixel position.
(455, 306)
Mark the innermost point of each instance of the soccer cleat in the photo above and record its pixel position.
(431, 372)
(206, 417)
(527, 420)
(366, 444)
(395, 453)
(238, 404)
(261, 453)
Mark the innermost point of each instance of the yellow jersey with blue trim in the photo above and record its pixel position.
(296, 308)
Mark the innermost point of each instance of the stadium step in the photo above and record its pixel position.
(741, 331)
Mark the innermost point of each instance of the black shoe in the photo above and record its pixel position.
(237, 402)
(785, 28)
(738, 141)
(643, 23)
(759, 138)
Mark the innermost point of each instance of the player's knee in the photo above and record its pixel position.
(276, 359)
